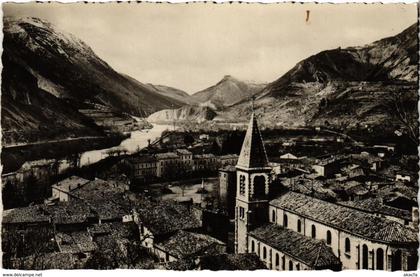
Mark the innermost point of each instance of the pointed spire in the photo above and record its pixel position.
(253, 153)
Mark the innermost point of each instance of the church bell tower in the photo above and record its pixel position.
(252, 187)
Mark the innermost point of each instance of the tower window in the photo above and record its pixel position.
(273, 216)
(259, 187)
(252, 246)
(290, 265)
(299, 226)
(264, 253)
(277, 259)
(242, 185)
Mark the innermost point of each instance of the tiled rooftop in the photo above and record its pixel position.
(375, 205)
(246, 261)
(350, 220)
(185, 244)
(166, 217)
(313, 253)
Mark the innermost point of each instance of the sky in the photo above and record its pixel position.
(192, 46)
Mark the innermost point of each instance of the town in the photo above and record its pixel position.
(179, 210)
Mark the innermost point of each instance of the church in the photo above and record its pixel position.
(298, 232)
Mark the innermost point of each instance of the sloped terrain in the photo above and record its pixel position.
(48, 74)
(226, 92)
(352, 86)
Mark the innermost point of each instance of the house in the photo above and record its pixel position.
(186, 158)
(166, 163)
(142, 166)
(326, 167)
(186, 245)
(62, 189)
(158, 221)
(230, 159)
(205, 162)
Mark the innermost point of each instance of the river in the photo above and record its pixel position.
(136, 141)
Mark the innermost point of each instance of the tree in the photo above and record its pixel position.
(404, 109)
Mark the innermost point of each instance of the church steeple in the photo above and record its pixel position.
(252, 186)
(253, 153)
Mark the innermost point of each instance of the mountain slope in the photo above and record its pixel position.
(48, 75)
(188, 113)
(226, 92)
(348, 86)
(173, 93)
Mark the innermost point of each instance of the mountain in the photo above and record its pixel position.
(355, 85)
(226, 92)
(180, 96)
(48, 75)
(188, 113)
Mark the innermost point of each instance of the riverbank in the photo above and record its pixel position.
(12, 158)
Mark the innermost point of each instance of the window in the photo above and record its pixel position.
(264, 253)
(259, 187)
(285, 220)
(298, 267)
(277, 259)
(242, 185)
(273, 216)
(347, 245)
(167, 257)
(299, 226)
(241, 212)
(313, 232)
(252, 246)
(328, 237)
(283, 263)
(290, 265)
(365, 257)
(380, 259)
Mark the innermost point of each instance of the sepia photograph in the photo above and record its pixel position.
(205, 136)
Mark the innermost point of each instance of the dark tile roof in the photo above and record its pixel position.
(166, 217)
(116, 229)
(350, 220)
(185, 244)
(376, 205)
(31, 214)
(75, 242)
(311, 252)
(246, 261)
(55, 260)
(253, 153)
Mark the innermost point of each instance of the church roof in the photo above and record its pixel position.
(312, 252)
(253, 153)
(350, 220)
